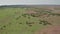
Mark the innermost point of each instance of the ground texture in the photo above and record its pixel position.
(29, 21)
(50, 30)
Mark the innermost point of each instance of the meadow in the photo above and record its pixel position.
(25, 20)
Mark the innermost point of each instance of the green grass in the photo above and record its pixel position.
(8, 18)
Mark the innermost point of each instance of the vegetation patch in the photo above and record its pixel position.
(25, 20)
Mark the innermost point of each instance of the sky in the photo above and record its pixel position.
(29, 2)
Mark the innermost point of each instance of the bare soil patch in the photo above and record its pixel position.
(49, 30)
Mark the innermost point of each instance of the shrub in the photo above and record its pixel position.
(29, 25)
(20, 23)
(44, 23)
(40, 22)
(4, 26)
(18, 17)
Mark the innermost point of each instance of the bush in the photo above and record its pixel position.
(4, 26)
(29, 25)
(44, 23)
(40, 22)
(20, 23)
(18, 17)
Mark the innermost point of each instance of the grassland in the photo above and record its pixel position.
(19, 21)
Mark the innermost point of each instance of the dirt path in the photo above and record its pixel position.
(49, 30)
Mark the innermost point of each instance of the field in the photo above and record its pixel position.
(28, 20)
